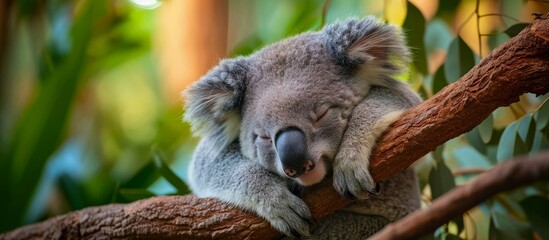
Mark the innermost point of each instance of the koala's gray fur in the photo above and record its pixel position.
(333, 89)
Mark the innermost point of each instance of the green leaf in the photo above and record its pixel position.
(459, 60)
(527, 130)
(467, 157)
(134, 194)
(502, 228)
(540, 143)
(473, 137)
(72, 192)
(495, 39)
(536, 209)
(437, 36)
(506, 145)
(542, 115)
(414, 26)
(437, 154)
(485, 129)
(515, 29)
(167, 173)
(144, 177)
(439, 80)
(441, 179)
(520, 147)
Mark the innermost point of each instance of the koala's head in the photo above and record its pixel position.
(289, 103)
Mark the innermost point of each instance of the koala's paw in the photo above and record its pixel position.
(352, 178)
(288, 214)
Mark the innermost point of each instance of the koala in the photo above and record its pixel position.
(294, 112)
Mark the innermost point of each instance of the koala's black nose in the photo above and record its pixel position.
(291, 147)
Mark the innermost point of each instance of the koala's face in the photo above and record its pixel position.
(296, 108)
(289, 103)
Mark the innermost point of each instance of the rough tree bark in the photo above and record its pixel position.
(518, 66)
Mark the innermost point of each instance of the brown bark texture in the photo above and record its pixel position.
(518, 66)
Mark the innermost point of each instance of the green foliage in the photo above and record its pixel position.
(135, 188)
(515, 29)
(505, 134)
(84, 44)
(441, 179)
(459, 60)
(439, 80)
(40, 129)
(503, 227)
(414, 26)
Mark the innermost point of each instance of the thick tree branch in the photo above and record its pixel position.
(518, 66)
(504, 177)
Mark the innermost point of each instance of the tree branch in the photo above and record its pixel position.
(504, 177)
(518, 66)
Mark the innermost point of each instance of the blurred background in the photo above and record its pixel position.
(91, 106)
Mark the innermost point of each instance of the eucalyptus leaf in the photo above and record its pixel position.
(414, 26)
(502, 227)
(441, 180)
(520, 147)
(495, 39)
(134, 194)
(144, 177)
(527, 130)
(473, 137)
(540, 143)
(486, 128)
(467, 157)
(167, 173)
(439, 80)
(437, 36)
(437, 154)
(542, 115)
(72, 192)
(515, 29)
(506, 145)
(459, 60)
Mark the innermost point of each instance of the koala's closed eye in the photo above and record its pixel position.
(262, 137)
(321, 113)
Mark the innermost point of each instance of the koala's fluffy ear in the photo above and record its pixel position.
(213, 103)
(377, 49)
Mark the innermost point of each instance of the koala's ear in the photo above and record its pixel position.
(213, 103)
(367, 43)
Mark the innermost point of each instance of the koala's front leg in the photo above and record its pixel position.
(237, 180)
(368, 121)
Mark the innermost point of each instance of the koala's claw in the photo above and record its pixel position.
(289, 215)
(353, 180)
(377, 189)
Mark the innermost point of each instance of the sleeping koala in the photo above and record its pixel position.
(296, 111)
